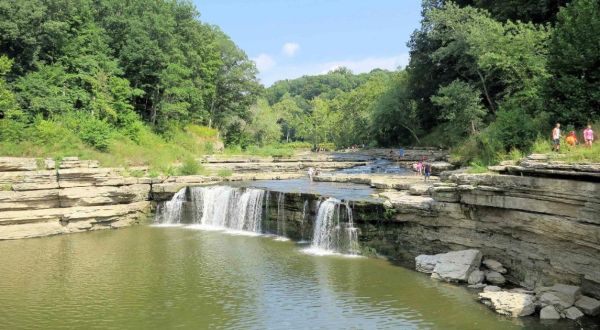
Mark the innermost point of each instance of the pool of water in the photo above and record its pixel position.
(379, 166)
(342, 191)
(164, 278)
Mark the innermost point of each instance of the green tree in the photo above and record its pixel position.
(574, 90)
(395, 118)
(264, 124)
(292, 116)
(461, 108)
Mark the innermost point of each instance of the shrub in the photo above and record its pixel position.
(95, 132)
(190, 166)
(327, 146)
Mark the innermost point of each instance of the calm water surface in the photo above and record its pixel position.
(164, 278)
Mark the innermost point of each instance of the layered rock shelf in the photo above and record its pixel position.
(41, 197)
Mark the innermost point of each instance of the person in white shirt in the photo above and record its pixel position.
(556, 138)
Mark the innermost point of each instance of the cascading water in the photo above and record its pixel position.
(303, 221)
(242, 210)
(219, 207)
(331, 234)
(170, 212)
(281, 216)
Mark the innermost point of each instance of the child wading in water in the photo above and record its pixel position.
(588, 136)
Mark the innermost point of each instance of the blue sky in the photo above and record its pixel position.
(288, 39)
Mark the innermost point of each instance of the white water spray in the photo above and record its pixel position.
(331, 234)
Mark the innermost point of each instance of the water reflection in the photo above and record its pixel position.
(163, 278)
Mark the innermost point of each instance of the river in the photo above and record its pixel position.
(147, 277)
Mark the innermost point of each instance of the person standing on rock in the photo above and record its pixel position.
(588, 136)
(311, 172)
(556, 138)
(427, 171)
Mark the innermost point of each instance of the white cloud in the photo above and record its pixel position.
(264, 62)
(357, 66)
(368, 64)
(290, 49)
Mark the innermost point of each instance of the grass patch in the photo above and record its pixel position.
(477, 168)
(53, 139)
(224, 173)
(567, 153)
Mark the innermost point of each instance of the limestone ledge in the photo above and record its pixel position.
(45, 222)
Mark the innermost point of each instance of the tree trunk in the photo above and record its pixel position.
(411, 132)
(485, 91)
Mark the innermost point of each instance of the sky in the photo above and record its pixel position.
(289, 39)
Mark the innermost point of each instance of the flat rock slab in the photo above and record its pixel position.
(457, 265)
(589, 306)
(509, 303)
(8, 164)
(551, 299)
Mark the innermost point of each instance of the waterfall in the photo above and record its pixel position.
(220, 207)
(281, 215)
(243, 209)
(331, 234)
(170, 212)
(303, 220)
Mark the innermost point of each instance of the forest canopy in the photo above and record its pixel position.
(484, 78)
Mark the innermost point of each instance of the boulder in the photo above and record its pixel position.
(567, 293)
(491, 288)
(419, 189)
(550, 299)
(509, 303)
(494, 278)
(477, 286)
(476, 277)
(549, 313)
(573, 313)
(457, 265)
(588, 306)
(494, 265)
(426, 263)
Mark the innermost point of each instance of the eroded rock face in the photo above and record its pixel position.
(541, 230)
(509, 303)
(36, 201)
